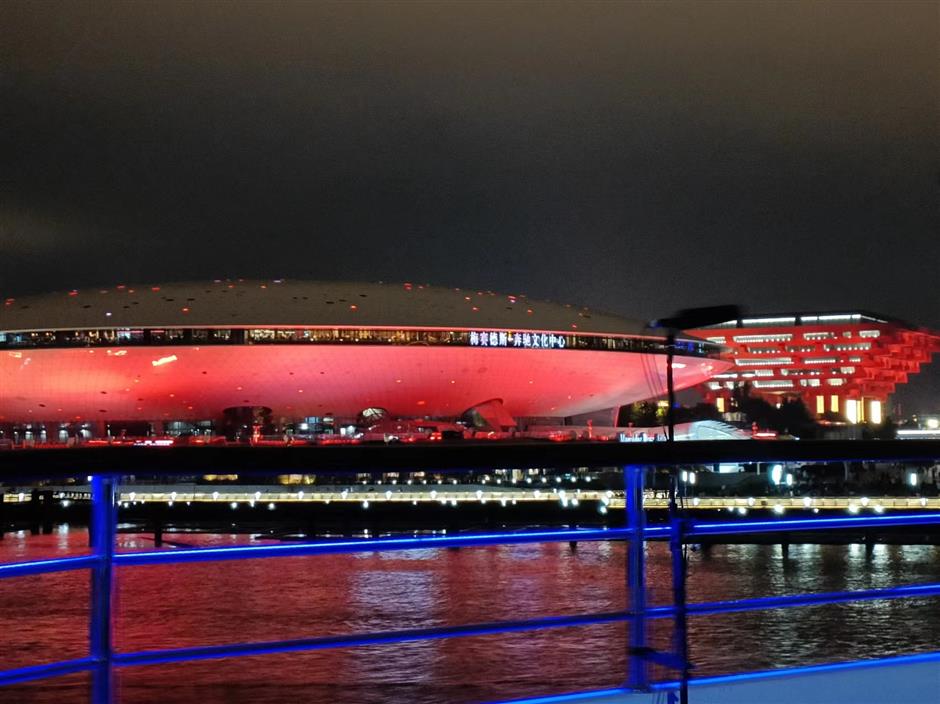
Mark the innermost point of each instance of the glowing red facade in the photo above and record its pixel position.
(189, 351)
(842, 363)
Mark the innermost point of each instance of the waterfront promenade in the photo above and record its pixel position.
(447, 494)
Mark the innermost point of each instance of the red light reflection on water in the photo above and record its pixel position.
(45, 618)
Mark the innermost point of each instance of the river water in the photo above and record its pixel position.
(44, 618)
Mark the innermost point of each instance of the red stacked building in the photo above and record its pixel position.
(844, 363)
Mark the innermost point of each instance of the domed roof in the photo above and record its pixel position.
(280, 302)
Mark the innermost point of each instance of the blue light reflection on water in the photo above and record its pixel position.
(178, 605)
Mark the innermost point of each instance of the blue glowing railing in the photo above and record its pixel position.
(102, 658)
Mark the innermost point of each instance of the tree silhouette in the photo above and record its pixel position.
(792, 416)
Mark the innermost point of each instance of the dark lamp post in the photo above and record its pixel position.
(687, 319)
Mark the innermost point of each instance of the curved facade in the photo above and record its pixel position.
(189, 351)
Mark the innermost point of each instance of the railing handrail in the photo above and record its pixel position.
(695, 529)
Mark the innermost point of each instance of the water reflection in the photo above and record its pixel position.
(45, 617)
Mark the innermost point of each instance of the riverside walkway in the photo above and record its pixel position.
(448, 494)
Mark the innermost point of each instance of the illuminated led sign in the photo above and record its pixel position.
(528, 340)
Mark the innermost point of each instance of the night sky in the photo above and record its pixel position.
(632, 157)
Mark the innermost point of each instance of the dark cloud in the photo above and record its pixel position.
(636, 157)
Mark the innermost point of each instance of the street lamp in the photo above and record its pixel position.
(687, 319)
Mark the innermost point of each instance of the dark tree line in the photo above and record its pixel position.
(790, 417)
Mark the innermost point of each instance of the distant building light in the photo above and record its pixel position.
(919, 433)
(769, 321)
(164, 360)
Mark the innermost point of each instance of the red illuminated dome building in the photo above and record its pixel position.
(841, 363)
(305, 353)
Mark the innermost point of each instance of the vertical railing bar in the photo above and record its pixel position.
(680, 623)
(637, 667)
(103, 529)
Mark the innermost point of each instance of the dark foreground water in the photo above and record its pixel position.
(44, 618)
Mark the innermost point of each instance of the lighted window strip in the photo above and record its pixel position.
(477, 338)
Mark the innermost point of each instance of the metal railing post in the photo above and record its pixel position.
(637, 668)
(681, 638)
(103, 529)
